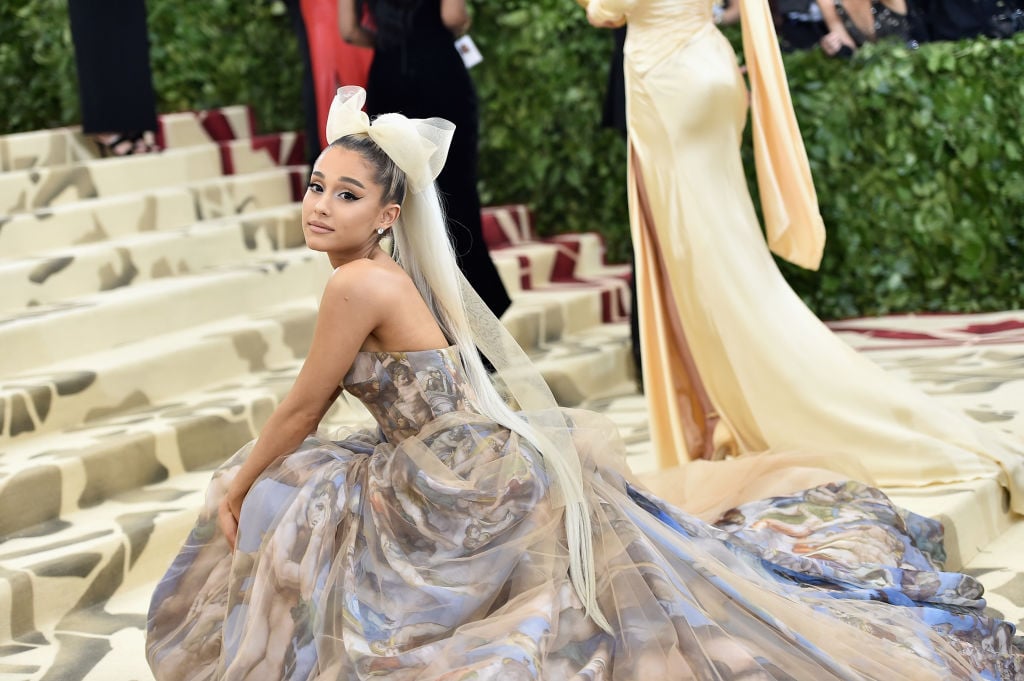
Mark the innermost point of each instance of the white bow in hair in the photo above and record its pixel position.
(419, 146)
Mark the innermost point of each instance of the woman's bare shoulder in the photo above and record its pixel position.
(371, 281)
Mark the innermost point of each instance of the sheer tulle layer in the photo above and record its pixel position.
(441, 557)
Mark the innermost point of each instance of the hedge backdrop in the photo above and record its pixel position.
(918, 156)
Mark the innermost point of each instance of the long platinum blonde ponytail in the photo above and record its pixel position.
(422, 248)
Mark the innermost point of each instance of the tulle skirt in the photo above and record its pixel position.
(444, 557)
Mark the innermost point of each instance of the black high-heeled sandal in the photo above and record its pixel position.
(126, 144)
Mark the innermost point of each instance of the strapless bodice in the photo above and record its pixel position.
(406, 390)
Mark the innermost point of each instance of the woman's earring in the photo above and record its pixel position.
(386, 241)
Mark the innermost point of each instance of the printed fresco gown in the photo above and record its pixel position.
(431, 549)
(733, 359)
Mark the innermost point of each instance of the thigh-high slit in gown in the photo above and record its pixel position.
(731, 353)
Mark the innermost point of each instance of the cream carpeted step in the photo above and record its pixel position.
(999, 566)
(507, 225)
(157, 209)
(23, 191)
(94, 645)
(534, 265)
(41, 336)
(563, 261)
(42, 148)
(590, 364)
(53, 476)
(539, 317)
(67, 145)
(127, 496)
(581, 262)
(85, 561)
(81, 390)
(584, 256)
(61, 473)
(135, 258)
(509, 269)
(263, 151)
(193, 128)
(233, 129)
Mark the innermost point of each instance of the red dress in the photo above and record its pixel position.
(334, 62)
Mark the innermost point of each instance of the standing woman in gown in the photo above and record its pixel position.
(417, 71)
(734, 362)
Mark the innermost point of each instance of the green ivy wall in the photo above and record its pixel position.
(918, 157)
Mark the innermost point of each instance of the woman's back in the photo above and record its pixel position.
(405, 23)
(416, 69)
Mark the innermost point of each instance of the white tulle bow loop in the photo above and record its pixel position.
(419, 146)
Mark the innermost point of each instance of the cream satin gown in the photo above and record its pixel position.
(732, 356)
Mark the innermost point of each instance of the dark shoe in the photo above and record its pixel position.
(126, 144)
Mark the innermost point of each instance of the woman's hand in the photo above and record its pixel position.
(228, 513)
(350, 25)
(837, 37)
(599, 18)
(833, 42)
(605, 23)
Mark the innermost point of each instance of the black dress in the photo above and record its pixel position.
(420, 74)
(887, 23)
(115, 84)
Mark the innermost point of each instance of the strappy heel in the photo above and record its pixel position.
(126, 144)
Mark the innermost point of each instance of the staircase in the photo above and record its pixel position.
(154, 309)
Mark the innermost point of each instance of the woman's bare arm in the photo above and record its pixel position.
(611, 14)
(349, 25)
(837, 35)
(350, 310)
(455, 16)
